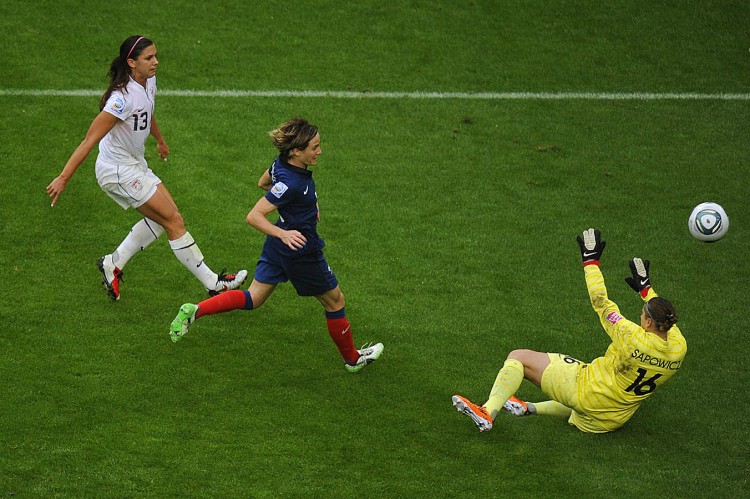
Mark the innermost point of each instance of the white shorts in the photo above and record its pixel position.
(129, 185)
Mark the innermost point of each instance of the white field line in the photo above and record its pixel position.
(642, 96)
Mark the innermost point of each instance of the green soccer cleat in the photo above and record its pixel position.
(182, 322)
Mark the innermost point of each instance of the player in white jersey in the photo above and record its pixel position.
(602, 395)
(125, 121)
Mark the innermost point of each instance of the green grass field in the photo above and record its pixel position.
(450, 223)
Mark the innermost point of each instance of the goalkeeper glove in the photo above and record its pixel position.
(591, 246)
(640, 280)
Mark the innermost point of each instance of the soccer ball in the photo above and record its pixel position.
(708, 222)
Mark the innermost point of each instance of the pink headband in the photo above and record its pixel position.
(131, 48)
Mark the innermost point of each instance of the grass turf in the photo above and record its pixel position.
(450, 224)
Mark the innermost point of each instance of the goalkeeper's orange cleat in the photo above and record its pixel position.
(516, 406)
(477, 413)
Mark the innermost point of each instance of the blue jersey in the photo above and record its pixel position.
(293, 193)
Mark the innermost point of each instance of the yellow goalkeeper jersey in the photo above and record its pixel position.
(612, 387)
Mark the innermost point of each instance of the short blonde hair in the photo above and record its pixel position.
(293, 134)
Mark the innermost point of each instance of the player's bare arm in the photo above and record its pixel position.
(161, 145)
(258, 219)
(265, 182)
(100, 127)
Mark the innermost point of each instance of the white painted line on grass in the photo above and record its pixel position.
(399, 95)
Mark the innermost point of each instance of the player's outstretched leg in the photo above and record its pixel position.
(367, 355)
(181, 323)
(111, 276)
(477, 413)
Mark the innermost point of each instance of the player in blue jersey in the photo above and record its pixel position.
(293, 250)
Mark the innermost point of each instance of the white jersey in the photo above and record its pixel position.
(134, 107)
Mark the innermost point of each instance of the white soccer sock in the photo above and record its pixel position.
(186, 250)
(142, 234)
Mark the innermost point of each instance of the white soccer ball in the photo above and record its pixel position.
(708, 222)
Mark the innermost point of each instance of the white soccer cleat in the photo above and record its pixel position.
(111, 276)
(367, 355)
(225, 282)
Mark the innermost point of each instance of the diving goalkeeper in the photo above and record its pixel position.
(600, 396)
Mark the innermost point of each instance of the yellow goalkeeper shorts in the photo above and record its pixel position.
(560, 382)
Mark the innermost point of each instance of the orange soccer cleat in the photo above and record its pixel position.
(477, 413)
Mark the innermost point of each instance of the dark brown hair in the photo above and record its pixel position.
(119, 71)
(662, 312)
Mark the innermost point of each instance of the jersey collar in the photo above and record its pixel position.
(295, 169)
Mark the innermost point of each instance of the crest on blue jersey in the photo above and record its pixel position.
(278, 189)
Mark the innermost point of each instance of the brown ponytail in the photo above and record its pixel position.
(119, 71)
(662, 312)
